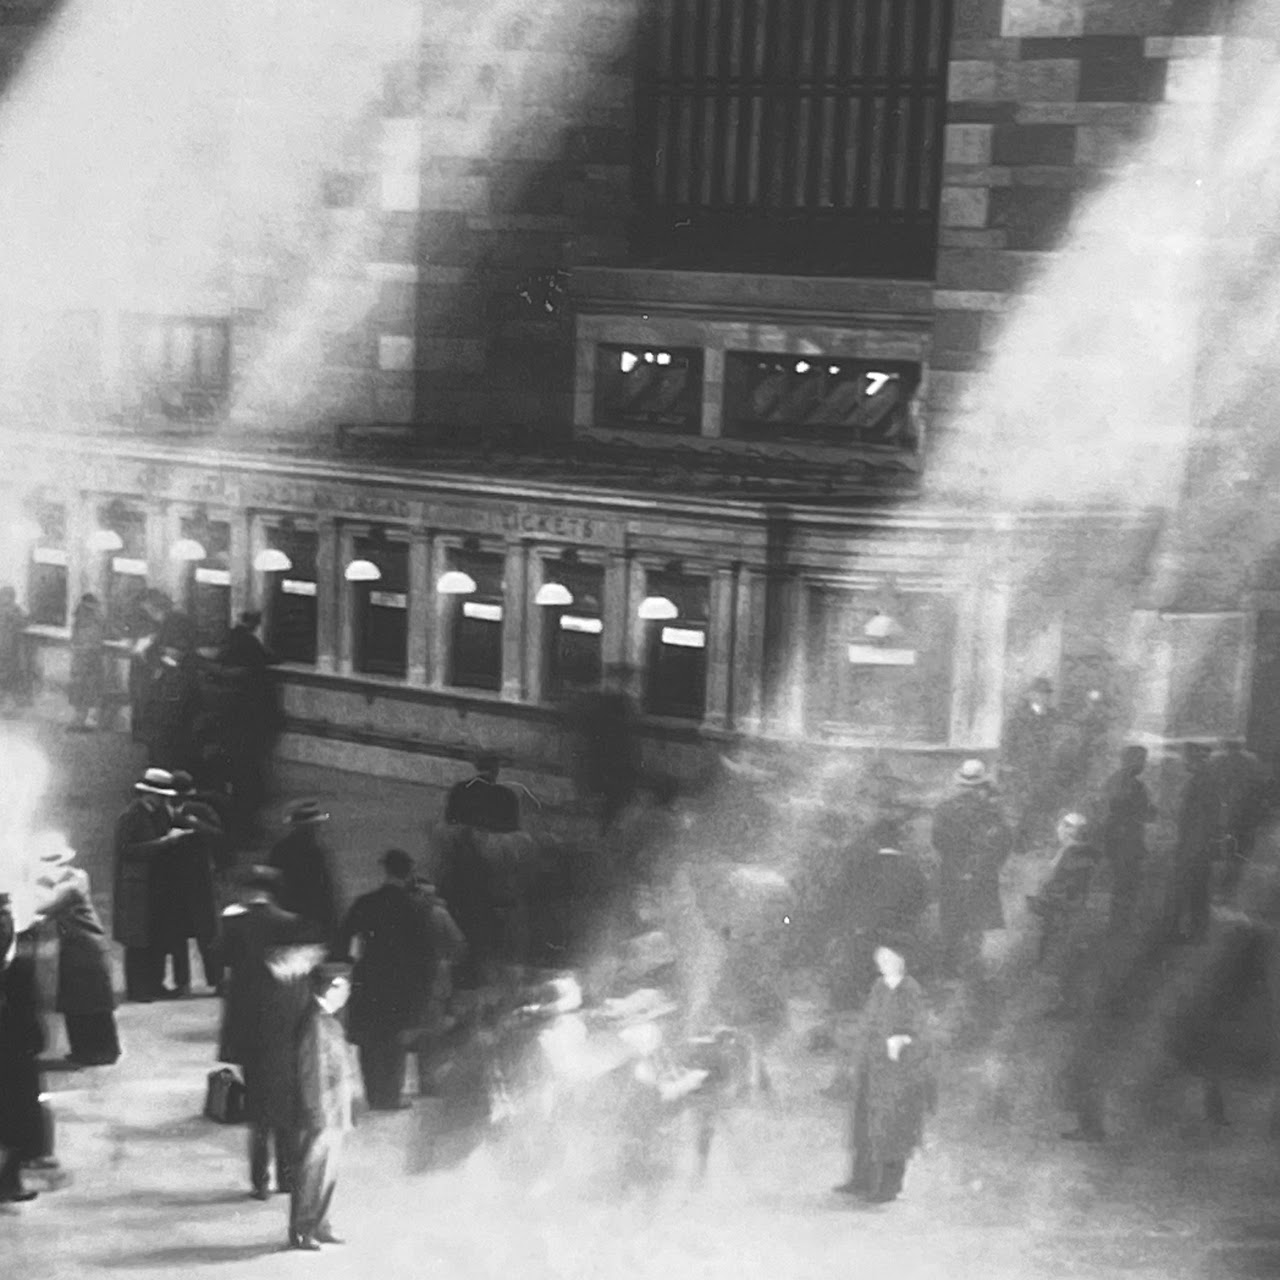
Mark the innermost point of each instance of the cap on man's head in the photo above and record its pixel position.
(250, 618)
(488, 762)
(183, 783)
(396, 862)
(304, 812)
(156, 782)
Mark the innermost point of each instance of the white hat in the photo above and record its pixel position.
(973, 773)
(156, 782)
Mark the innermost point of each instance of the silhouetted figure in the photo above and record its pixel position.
(15, 668)
(252, 716)
(482, 801)
(90, 687)
(606, 747)
(1241, 782)
(1028, 749)
(306, 870)
(22, 1129)
(1199, 815)
(1126, 811)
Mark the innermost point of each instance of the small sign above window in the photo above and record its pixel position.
(49, 555)
(389, 599)
(296, 587)
(129, 567)
(482, 612)
(874, 655)
(684, 638)
(214, 577)
(587, 626)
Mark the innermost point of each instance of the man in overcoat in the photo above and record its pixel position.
(322, 1105)
(22, 1133)
(1199, 822)
(306, 869)
(265, 987)
(146, 833)
(482, 801)
(973, 842)
(1126, 811)
(390, 933)
(1028, 761)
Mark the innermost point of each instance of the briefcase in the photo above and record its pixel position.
(224, 1097)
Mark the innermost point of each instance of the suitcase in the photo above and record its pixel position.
(224, 1097)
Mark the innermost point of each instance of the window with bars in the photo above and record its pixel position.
(180, 365)
(800, 136)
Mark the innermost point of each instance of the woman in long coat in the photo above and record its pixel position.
(88, 687)
(85, 997)
(893, 1085)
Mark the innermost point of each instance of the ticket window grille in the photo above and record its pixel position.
(292, 618)
(649, 388)
(207, 586)
(125, 579)
(475, 630)
(381, 611)
(47, 578)
(791, 135)
(891, 682)
(676, 648)
(573, 633)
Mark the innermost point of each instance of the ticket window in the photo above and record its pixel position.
(475, 627)
(125, 577)
(381, 611)
(676, 646)
(47, 576)
(572, 632)
(207, 587)
(292, 618)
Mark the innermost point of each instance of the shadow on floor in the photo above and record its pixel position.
(178, 1258)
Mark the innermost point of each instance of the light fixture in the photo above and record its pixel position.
(802, 366)
(554, 594)
(882, 627)
(658, 609)
(272, 560)
(188, 550)
(628, 361)
(104, 540)
(456, 583)
(362, 571)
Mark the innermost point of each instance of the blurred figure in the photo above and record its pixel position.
(1241, 782)
(264, 996)
(893, 1085)
(323, 1108)
(447, 949)
(1199, 815)
(15, 669)
(253, 718)
(973, 842)
(85, 997)
(306, 871)
(482, 801)
(606, 745)
(389, 935)
(146, 833)
(89, 689)
(1027, 760)
(22, 1124)
(1126, 811)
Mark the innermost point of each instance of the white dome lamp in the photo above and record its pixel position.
(554, 595)
(658, 609)
(362, 571)
(272, 560)
(188, 550)
(882, 628)
(456, 583)
(103, 541)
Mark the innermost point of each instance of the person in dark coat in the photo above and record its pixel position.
(1028, 759)
(306, 870)
(1126, 811)
(85, 996)
(253, 717)
(973, 842)
(146, 833)
(1241, 780)
(606, 745)
(1199, 815)
(267, 960)
(89, 687)
(22, 1124)
(323, 1107)
(448, 946)
(893, 1086)
(482, 801)
(390, 934)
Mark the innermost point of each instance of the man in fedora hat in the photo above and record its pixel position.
(306, 871)
(323, 1107)
(146, 832)
(973, 841)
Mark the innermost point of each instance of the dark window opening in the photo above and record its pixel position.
(207, 586)
(180, 365)
(649, 387)
(291, 611)
(382, 610)
(475, 652)
(676, 648)
(573, 633)
(126, 576)
(47, 577)
(791, 135)
(819, 399)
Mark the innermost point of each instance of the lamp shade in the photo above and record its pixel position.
(658, 609)
(554, 594)
(456, 583)
(105, 540)
(187, 549)
(362, 571)
(882, 627)
(272, 560)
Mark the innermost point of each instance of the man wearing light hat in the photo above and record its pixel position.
(973, 841)
(306, 871)
(145, 832)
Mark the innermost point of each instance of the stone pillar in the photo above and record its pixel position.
(536, 629)
(245, 593)
(747, 688)
(784, 696)
(720, 644)
(346, 604)
(637, 631)
(83, 569)
(164, 528)
(978, 667)
(330, 586)
(421, 594)
(618, 619)
(514, 621)
(258, 593)
(440, 609)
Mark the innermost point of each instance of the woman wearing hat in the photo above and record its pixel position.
(85, 996)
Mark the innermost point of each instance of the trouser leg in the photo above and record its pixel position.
(315, 1176)
(143, 969)
(10, 1173)
(889, 1181)
(210, 963)
(285, 1158)
(259, 1156)
(382, 1069)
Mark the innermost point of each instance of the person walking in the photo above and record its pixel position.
(146, 834)
(973, 842)
(85, 997)
(1199, 818)
(390, 935)
(306, 870)
(15, 669)
(482, 801)
(323, 1107)
(893, 1086)
(252, 718)
(1126, 811)
(265, 993)
(447, 946)
(22, 1122)
(88, 688)
(1028, 759)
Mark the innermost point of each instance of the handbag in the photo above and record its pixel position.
(224, 1097)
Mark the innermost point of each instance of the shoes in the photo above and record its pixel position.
(307, 1243)
(1083, 1135)
(847, 1189)
(260, 1193)
(17, 1195)
(325, 1236)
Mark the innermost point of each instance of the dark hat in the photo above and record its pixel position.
(183, 783)
(488, 761)
(250, 618)
(258, 876)
(156, 782)
(323, 976)
(305, 811)
(396, 862)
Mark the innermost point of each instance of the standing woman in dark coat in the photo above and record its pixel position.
(22, 1129)
(893, 1084)
(85, 996)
